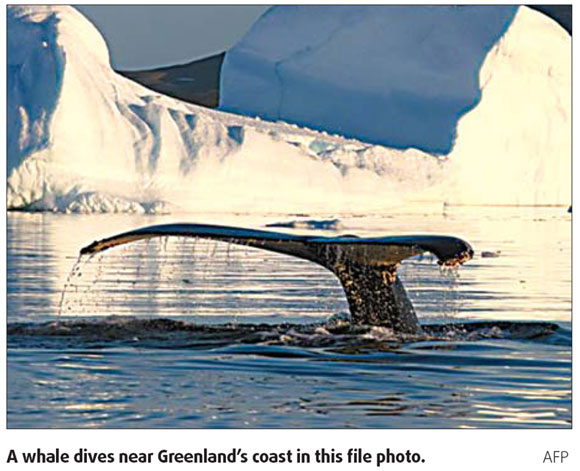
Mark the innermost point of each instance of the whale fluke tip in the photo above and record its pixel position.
(91, 248)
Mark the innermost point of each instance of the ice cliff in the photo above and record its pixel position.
(393, 75)
(81, 138)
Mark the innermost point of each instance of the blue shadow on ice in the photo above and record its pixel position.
(400, 76)
(32, 52)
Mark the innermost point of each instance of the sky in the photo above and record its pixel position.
(149, 36)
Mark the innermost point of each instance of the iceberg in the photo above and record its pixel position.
(487, 86)
(393, 75)
(82, 138)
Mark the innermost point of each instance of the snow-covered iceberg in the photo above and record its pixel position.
(82, 138)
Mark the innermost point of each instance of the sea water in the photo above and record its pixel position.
(188, 333)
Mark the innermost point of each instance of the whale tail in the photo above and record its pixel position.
(366, 267)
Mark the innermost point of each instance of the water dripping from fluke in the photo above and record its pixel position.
(365, 267)
(75, 272)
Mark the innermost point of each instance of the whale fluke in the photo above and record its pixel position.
(366, 267)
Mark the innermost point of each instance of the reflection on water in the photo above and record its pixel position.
(496, 378)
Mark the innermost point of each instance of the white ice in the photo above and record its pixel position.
(81, 138)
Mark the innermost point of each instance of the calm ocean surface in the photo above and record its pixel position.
(192, 334)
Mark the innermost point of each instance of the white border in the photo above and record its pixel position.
(442, 449)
